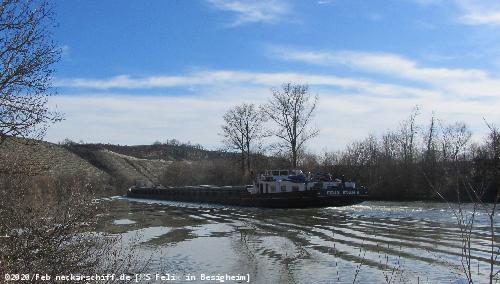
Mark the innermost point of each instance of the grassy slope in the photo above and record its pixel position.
(43, 158)
(102, 165)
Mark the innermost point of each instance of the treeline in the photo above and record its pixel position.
(421, 162)
(171, 149)
(430, 161)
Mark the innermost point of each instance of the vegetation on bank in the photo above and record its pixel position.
(407, 163)
(48, 226)
(420, 162)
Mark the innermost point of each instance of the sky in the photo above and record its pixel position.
(136, 72)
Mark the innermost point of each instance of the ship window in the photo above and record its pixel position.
(276, 173)
(283, 173)
(273, 188)
(283, 188)
(295, 188)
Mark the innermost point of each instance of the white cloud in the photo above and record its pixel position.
(128, 119)
(349, 108)
(324, 2)
(482, 18)
(248, 11)
(472, 83)
(225, 78)
(342, 116)
(387, 63)
(480, 12)
(473, 12)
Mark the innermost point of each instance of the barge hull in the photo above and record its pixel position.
(239, 198)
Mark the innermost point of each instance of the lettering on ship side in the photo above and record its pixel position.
(342, 192)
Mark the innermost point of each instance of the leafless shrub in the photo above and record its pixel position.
(48, 226)
(475, 191)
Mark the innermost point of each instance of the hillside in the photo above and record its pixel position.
(39, 158)
(32, 157)
(118, 167)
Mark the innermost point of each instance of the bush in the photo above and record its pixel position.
(48, 226)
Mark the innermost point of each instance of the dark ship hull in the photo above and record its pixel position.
(239, 196)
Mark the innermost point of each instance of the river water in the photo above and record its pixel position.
(373, 242)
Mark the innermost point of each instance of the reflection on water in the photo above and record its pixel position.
(371, 242)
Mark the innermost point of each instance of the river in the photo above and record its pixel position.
(373, 242)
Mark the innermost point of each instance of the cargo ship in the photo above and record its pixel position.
(271, 189)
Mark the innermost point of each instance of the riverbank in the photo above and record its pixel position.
(114, 168)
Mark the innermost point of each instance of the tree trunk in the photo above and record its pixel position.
(243, 162)
(248, 146)
(248, 161)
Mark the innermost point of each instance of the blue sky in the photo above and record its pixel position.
(133, 72)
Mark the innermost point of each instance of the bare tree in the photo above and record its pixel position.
(454, 140)
(292, 108)
(430, 137)
(242, 131)
(429, 155)
(26, 57)
(408, 132)
(390, 146)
